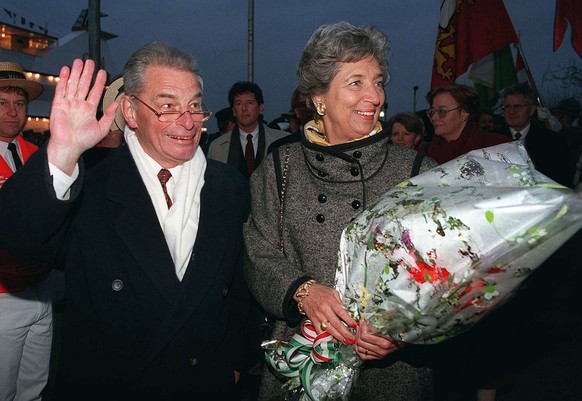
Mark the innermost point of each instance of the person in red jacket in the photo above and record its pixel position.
(455, 132)
(25, 302)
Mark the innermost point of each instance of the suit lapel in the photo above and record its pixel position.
(236, 157)
(138, 225)
(209, 243)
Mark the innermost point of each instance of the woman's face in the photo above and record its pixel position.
(353, 102)
(402, 137)
(450, 126)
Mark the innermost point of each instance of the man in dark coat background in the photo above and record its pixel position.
(547, 149)
(155, 297)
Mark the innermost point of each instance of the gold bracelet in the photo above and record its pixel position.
(301, 293)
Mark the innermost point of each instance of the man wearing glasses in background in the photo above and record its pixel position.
(151, 234)
(547, 149)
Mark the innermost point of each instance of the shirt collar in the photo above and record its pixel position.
(523, 132)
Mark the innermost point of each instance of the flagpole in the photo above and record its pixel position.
(414, 88)
(530, 77)
(533, 83)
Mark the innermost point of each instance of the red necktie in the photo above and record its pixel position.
(250, 155)
(164, 176)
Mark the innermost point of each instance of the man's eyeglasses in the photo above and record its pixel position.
(441, 112)
(516, 107)
(201, 115)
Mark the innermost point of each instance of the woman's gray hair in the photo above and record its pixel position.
(155, 53)
(333, 44)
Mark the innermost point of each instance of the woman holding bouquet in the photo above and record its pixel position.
(308, 192)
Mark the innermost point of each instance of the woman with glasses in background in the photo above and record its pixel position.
(455, 133)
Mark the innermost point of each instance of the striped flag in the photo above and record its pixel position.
(467, 32)
(492, 74)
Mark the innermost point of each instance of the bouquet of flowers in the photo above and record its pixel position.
(439, 252)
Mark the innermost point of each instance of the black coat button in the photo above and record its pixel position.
(319, 157)
(193, 361)
(225, 292)
(322, 198)
(320, 218)
(357, 154)
(321, 174)
(355, 171)
(356, 204)
(117, 285)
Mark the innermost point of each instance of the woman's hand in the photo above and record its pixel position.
(370, 346)
(73, 124)
(324, 308)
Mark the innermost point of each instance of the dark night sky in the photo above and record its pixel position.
(215, 33)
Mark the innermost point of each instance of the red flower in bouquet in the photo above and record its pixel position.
(424, 272)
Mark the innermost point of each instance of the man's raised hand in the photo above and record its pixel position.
(74, 127)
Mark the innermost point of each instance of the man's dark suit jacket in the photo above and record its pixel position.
(549, 153)
(133, 331)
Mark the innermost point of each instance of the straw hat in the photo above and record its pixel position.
(115, 92)
(12, 74)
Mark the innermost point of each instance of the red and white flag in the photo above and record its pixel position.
(566, 11)
(468, 31)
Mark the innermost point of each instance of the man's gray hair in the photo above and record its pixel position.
(159, 54)
(521, 89)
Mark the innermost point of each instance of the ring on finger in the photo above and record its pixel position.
(325, 325)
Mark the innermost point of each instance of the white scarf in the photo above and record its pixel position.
(180, 222)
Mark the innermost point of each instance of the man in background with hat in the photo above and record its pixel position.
(25, 291)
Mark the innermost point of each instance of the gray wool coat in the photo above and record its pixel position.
(326, 187)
